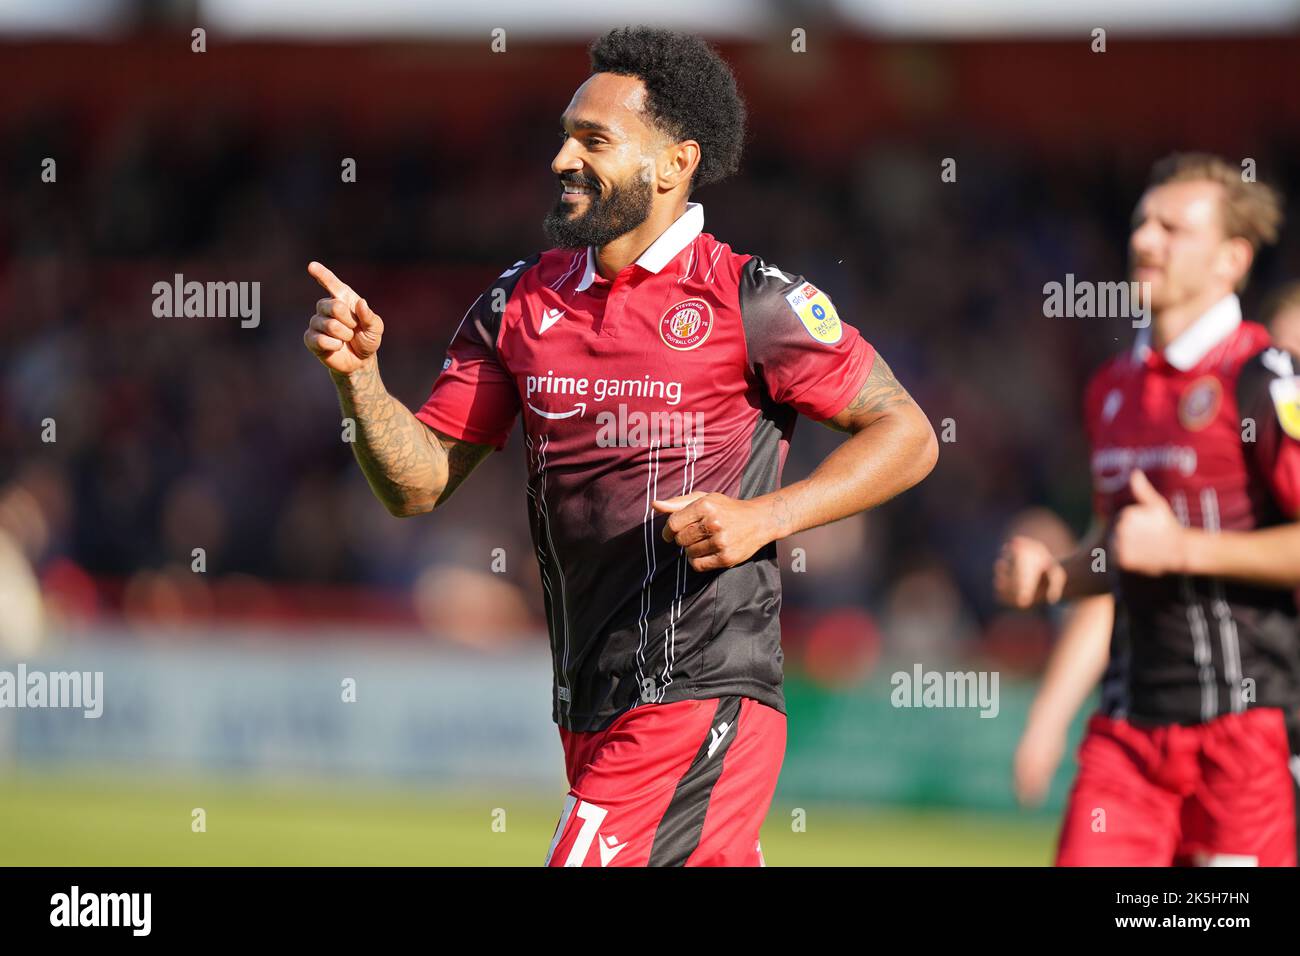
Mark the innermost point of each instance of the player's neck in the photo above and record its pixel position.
(1171, 322)
(613, 257)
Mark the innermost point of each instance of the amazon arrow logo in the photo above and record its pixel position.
(580, 409)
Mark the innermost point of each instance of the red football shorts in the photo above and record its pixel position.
(1212, 794)
(681, 784)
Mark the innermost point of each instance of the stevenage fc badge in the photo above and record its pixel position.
(1200, 403)
(815, 311)
(686, 325)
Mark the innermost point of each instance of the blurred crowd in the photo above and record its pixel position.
(129, 441)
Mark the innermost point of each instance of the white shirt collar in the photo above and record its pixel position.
(663, 250)
(1194, 342)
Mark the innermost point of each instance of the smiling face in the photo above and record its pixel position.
(606, 163)
(1180, 247)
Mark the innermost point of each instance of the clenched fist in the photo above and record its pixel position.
(1026, 574)
(1148, 538)
(717, 531)
(344, 332)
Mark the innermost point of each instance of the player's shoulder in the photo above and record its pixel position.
(508, 279)
(550, 264)
(762, 280)
(767, 288)
(1257, 357)
(488, 311)
(1270, 375)
(1241, 353)
(711, 261)
(513, 274)
(772, 295)
(1271, 362)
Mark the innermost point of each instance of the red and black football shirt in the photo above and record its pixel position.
(685, 372)
(1211, 420)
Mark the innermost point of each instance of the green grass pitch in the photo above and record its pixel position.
(97, 819)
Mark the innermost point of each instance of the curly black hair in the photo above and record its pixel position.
(691, 92)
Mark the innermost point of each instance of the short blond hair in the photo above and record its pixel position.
(1250, 210)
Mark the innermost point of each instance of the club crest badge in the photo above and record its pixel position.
(687, 324)
(1200, 403)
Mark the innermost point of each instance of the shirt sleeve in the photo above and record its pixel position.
(1268, 393)
(804, 353)
(1093, 401)
(475, 398)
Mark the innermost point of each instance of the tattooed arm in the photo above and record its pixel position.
(891, 448)
(411, 468)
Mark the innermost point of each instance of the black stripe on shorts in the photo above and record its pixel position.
(679, 831)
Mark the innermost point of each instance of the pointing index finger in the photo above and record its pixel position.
(332, 283)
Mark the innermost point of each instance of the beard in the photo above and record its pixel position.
(606, 217)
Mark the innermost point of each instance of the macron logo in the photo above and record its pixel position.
(717, 733)
(609, 848)
(1278, 361)
(549, 318)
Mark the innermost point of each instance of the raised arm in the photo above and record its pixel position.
(411, 468)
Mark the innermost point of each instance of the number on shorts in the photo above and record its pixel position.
(592, 816)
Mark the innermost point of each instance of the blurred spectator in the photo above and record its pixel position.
(472, 607)
(23, 531)
(926, 618)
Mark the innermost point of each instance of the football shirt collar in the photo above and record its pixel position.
(660, 252)
(1187, 350)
